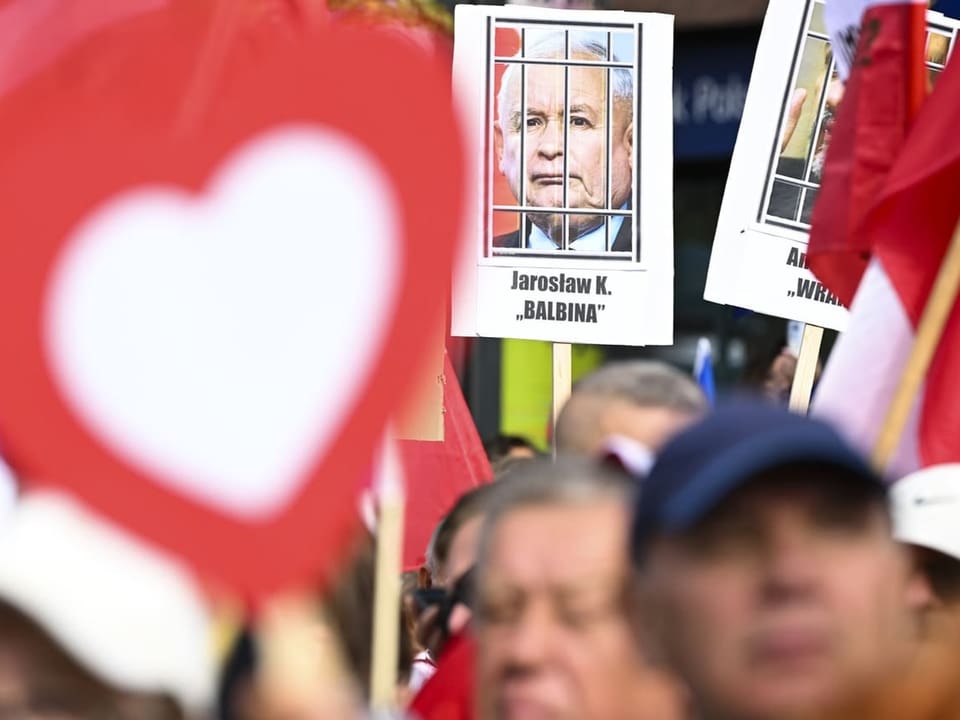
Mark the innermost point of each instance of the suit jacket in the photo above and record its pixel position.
(623, 242)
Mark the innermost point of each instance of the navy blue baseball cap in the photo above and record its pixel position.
(705, 463)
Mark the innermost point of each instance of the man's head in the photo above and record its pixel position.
(554, 639)
(768, 577)
(542, 158)
(642, 400)
(453, 546)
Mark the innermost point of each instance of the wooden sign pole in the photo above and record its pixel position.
(562, 381)
(941, 301)
(806, 371)
(387, 586)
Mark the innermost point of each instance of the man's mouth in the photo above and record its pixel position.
(827, 123)
(544, 179)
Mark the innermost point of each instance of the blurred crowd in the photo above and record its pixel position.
(670, 561)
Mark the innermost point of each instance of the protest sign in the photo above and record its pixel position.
(759, 250)
(569, 225)
(210, 313)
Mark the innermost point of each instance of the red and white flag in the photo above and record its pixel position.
(879, 50)
(910, 227)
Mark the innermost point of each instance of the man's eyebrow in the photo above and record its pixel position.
(516, 115)
(583, 109)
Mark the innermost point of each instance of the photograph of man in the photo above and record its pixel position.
(809, 118)
(551, 143)
(814, 100)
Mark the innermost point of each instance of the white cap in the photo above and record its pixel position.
(126, 613)
(926, 509)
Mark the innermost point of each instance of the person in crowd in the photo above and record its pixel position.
(441, 603)
(503, 450)
(925, 513)
(348, 609)
(94, 624)
(552, 142)
(766, 574)
(552, 631)
(642, 400)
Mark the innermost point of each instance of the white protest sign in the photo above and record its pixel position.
(569, 122)
(759, 250)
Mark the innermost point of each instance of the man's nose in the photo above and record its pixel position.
(790, 569)
(834, 93)
(530, 638)
(550, 142)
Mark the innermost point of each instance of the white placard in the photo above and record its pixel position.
(759, 251)
(587, 254)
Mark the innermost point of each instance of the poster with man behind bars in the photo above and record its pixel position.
(759, 251)
(569, 121)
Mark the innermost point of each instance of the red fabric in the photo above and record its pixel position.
(882, 95)
(449, 694)
(437, 473)
(912, 227)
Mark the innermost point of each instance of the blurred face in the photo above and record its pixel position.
(462, 557)
(462, 554)
(553, 638)
(791, 594)
(586, 151)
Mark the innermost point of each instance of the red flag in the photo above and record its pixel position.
(884, 90)
(437, 473)
(449, 694)
(911, 227)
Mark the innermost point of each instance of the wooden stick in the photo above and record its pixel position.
(934, 318)
(386, 591)
(806, 371)
(562, 380)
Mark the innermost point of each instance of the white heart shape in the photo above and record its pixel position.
(217, 341)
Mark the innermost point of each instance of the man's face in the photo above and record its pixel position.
(553, 637)
(462, 553)
(834, 94)
(788, 596)
(586, 144)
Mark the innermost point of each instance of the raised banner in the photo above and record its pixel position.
(759, 251)
(216, 276)
(570, 228)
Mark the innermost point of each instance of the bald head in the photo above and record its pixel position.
(642, 400)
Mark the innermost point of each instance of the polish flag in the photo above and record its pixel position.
(910, 228)
(878, 46)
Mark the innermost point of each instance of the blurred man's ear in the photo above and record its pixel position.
(919, 592)
(424, 578)
(628, 141)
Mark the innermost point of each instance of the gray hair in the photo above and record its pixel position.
(644, 383)
(548, 483)
(554, 45)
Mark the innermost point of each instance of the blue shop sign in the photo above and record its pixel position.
(711, 75)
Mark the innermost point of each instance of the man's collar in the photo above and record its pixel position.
(592, 241)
